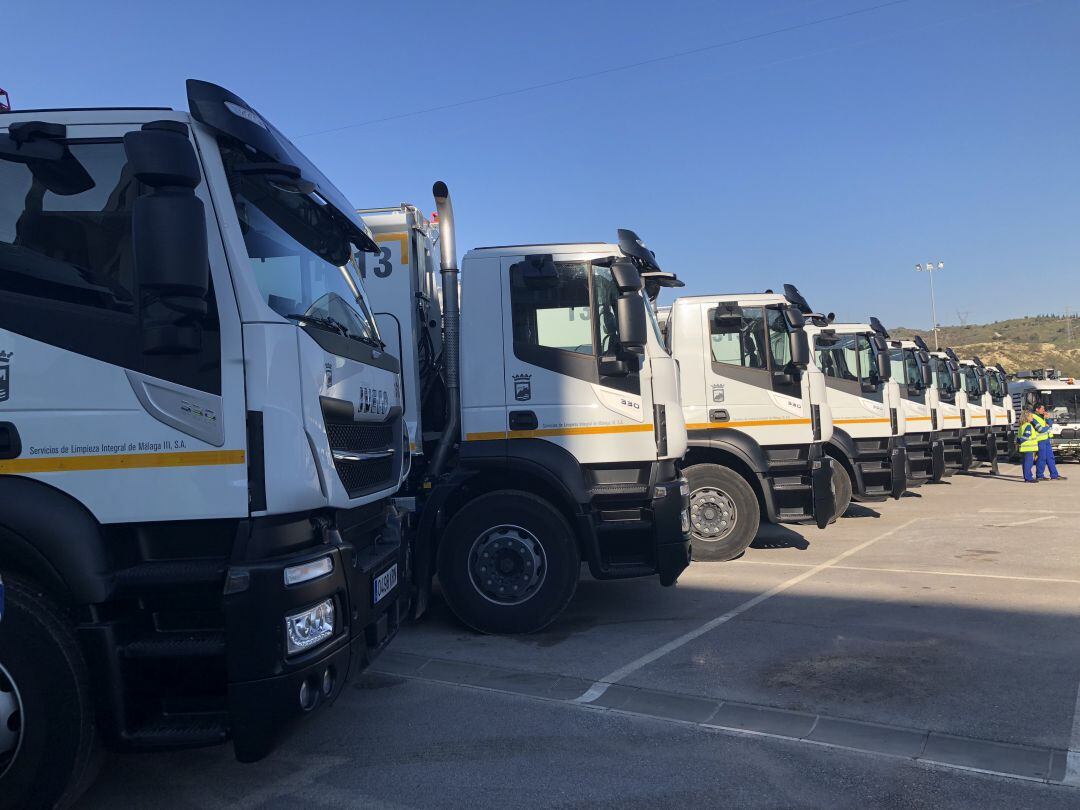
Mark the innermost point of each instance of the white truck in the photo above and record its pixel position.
(756, 416)
(912, 368)
(952, 399)
(1002, 413)
(200, 434)
(1061, 395)
(976, 410)
(545, 414)
(868, 418)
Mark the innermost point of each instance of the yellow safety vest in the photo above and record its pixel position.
(1029, 438)
(1041, 427)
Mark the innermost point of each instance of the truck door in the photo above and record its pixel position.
(747, 384)
(568, 379)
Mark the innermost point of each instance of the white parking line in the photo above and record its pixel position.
(915, 571)
(1028, 512)
(1025, 522)
(601, 686)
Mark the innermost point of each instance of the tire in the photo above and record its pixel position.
(46, 697)
(534, 542)
(717, 534)
(842, 487)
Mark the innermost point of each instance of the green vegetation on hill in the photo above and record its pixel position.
(1038, 341)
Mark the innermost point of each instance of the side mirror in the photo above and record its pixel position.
(633, 326)
(884, 366)
(955, 380)
(800, 348)
(927, 373)
(172, 260)
(626, 276)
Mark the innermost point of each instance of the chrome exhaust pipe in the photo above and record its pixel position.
(451, 326)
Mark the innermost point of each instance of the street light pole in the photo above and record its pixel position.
(930, 268)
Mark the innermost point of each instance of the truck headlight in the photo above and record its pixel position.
(305, 572)
(309, 628)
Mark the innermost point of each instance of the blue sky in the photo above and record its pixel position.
(835, 156)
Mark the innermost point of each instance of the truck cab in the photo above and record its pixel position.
(1061, 395)
(952, 399)
(977, 410)
(1002, 413)
(200, 431)
(868, 417)
(551, 438)
(912, 367)
(756, 415)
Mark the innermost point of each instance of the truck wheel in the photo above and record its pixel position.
(48, 739)
(842, 487)
(724, 513)
(508, 563)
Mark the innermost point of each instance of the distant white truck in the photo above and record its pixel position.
(868, 418)
(956, 444)
(757, 417)
(913, 370)
(1061, 395)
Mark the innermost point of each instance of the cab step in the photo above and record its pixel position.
(168, 573)
(202, 644)
(180, 731)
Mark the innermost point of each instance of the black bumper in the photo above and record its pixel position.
(265, 684)
(671, 528)
(898, 469)
(824, 492)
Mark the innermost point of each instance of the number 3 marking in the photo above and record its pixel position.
(385, 268)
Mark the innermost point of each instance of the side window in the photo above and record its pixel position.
(67, 268)
(836, 357)
(75, 248)
(606, 295)
(779, 339)
(899, 359)
(738, 340)
(553, 314)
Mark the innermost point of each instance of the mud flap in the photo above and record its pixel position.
(937, 458)
(965, 453)
(898, 467)
(992, 452)
(821, 481)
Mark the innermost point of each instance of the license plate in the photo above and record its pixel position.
(384, 583)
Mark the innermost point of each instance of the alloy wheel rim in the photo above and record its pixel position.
(713, 514)
(507, 564)
(11, 720)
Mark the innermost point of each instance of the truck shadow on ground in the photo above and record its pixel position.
(777, 536)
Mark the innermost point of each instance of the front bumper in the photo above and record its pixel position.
(821, 482)
(671, 529)
(265, 685)
(898, 469)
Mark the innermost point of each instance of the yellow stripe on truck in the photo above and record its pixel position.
(543, 433)
(122, 461)
(746, 423)
(875, 421)
(400, 238)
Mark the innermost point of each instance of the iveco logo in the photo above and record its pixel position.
(373, 401)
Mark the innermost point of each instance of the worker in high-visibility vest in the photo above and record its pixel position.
(1045, 459)
(1029, 445)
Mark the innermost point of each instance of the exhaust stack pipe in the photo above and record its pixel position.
(451, 326)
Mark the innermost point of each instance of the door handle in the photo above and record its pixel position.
(10, 443)
(718, 415)
(523, 420)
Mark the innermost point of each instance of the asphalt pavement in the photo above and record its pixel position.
(918, 653)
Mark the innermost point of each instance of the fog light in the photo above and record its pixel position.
(305, 572)
(684, 521)
(309, 628)
(684, 489)
(659, 492)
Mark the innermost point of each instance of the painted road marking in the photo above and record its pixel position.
(595, 691)
(914, 571)
(716, 715)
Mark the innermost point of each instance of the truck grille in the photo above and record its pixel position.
(362, 475)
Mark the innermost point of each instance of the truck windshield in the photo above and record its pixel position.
(1063, 405)
(300, 254)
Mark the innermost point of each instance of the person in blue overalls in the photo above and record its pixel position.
(1028, 441)
(1043, 424)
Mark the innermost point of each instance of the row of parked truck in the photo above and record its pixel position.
(245, 427)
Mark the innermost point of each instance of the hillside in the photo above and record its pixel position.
(1021, 343)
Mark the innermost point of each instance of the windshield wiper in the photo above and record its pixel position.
(326, 322)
